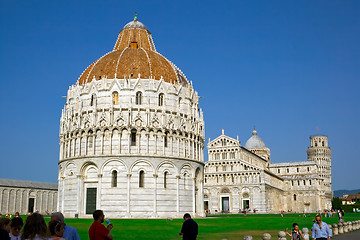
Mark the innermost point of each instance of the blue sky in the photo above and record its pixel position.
(286, 67)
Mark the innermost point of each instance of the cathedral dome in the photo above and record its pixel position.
(255, 142)
(133, 56)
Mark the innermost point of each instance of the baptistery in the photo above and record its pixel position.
(131, 136)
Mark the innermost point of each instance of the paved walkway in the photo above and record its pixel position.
(355, 235)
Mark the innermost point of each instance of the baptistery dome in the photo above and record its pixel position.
(131, 136)
(134, 55)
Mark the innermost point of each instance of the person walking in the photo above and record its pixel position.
(97, 230)
(70, 233)
(321, 230)
(295, 233)
(189, 229)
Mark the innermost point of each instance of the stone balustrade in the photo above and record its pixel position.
(266, 236)
(336, 229)
(282, 235)
(346, 227)
(341, 228)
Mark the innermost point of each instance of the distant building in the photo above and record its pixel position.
(238, 178)
(350, 199)
(27, 197)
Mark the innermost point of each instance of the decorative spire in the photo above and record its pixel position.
(135, 17)
(254, 132)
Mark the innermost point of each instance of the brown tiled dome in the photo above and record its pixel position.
(134, 53)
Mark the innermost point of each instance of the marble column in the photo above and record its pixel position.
(155, 194)
(128, 193)
(79, 193)
(147, 142)
(120, 136)
(102, 143)
(74, 146)
(94, 143)
(62, 182)
(86, 144)
(98, 194)
(138, 141)
(194, 195)
(155, 143)
(79, 150)
(129, 141)
(178, 147)
(110, 143)
(163, 145)
(178, 194)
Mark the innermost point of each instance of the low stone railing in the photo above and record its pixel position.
(336, 229)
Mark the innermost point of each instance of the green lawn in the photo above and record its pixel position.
(216, 227)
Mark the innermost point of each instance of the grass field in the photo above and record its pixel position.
(210, 228)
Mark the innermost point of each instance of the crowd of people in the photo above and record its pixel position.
(35, 228)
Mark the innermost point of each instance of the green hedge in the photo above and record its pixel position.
(349, 208)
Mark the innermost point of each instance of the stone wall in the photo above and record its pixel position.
(16, 199)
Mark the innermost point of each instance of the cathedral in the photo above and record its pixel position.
(131, 136)
(239, 178)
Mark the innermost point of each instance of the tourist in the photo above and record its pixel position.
(282, 213)
(35, 228)
(189, 229)
(70, 233)
(16, 225)
(17, 214)
(97, 230)
(321, 230)
(4, 228)
(56, 229)
(296, 233)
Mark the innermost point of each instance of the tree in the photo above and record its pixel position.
(336, 203)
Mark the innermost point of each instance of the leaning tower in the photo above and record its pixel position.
(320, 153)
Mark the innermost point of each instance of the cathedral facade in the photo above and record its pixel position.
(242, 177)
(131, 136)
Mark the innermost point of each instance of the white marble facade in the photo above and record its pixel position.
(238, 178)
(27, 197)
(132, 145)
(132, 140)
